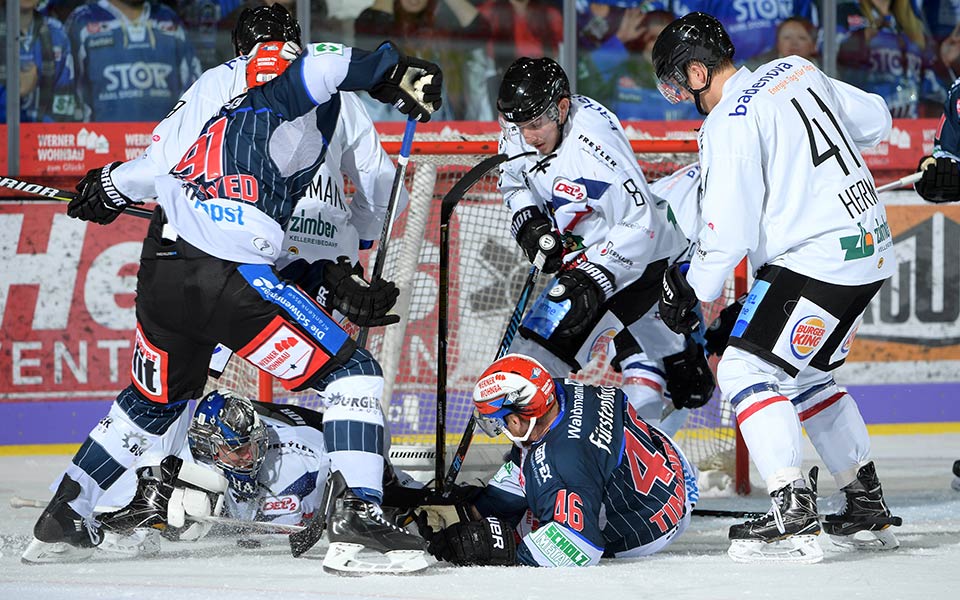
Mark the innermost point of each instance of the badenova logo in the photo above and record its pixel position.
(806, 336)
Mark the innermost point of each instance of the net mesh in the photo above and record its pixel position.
(486, 275)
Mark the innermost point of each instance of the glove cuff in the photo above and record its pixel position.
(600, 276)
(115, 200)
(522, 217)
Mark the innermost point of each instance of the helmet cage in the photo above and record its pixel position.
(227, 432)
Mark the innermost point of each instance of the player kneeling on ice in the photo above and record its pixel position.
(769, 194)
(600, 481)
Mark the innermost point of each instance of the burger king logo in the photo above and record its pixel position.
(806, 336)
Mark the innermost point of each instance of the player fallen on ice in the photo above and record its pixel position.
(580, 198)
(784, 183)
(207, 275)
(600, 481)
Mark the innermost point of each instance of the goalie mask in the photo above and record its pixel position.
(227, 432)
(515, 384)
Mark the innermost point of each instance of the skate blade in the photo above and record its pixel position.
(799, 549)
(142, 543)
(882, 539)
(38, 553)
(955, 484)
(344, 559)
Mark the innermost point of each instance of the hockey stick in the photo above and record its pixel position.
(402, 160)
(54, 194)
(263, 526)
(447, 205)
(908, 180)
(730, 514)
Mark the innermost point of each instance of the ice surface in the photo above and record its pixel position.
(915, 471)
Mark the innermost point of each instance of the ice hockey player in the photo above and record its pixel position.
(600, 481)
(207, 276)
(783, 183)
(941, 174)
(580, 197)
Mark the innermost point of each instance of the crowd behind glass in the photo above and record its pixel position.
(129, 60)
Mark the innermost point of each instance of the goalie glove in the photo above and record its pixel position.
(689, 378)
(717, 335)
(365, 304)
(412, 85)
(587, 287)
(940, 181)
(488, 542)
(534, 233)
(678, 301)
(97, 199)
(167, 494)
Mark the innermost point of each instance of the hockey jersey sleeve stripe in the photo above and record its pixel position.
(327, 68)
(555, 545)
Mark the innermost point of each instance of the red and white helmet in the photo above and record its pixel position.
(514, 384)
(268, 60)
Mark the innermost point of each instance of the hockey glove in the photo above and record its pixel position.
(309, 277)
(678, 300)
(587, 287)
(717, 335)
(413, 86)
(689, 378)
(166, 495)
(97, 199)
(488, 542)
(534, 233)
(940, 181)
(365, 304)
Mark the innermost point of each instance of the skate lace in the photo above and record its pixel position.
(92, 525)
(376, 513)
(778, 517)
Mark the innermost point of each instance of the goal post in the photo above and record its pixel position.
(487, 271)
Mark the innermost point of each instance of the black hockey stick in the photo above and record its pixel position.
(444, 478)
(404, 157)
(54, 194)
(731, 514)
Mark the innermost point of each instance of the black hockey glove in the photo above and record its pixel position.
(534, 233)
(412, 85)
(940, 181)
(365, 304)
(717, 335)
(97, 199)
(678, 300)
(488, 542)
(310, 278)
(167, 495)
(587, 287)
(689, 378)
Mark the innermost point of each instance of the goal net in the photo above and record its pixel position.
(486, 274)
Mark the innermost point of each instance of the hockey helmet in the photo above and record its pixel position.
(694, 37)
(530, 87)
(264, 24)
(515, 384)
(227, 432)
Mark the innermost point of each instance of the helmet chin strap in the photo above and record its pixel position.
(520, 440)
(696, 94)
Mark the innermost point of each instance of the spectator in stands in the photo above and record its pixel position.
(46, 69)
(798, 36)
(201, 20)
(885, 49)
(950, 55)
(132, 58)
(447, 32)
(941, 17)
(619, 72)
(532, 28)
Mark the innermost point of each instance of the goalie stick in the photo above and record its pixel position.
(54, 194)
(450, 200)
(402, 159)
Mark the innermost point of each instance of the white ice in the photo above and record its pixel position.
(915, 471)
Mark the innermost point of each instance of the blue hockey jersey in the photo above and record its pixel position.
(601, 482)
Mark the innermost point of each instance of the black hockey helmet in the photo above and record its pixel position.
(264, 24)
(694, 37)
(529, 87)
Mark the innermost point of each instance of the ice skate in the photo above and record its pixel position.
(788, 533)
(356, 526)
(864, 521)
(60, 534)
(142, 542)
(955, 484)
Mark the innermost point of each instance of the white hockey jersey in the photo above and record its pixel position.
(681, 190)
(292, 477)
(783, 181)
(325, 224)
(595, 191)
